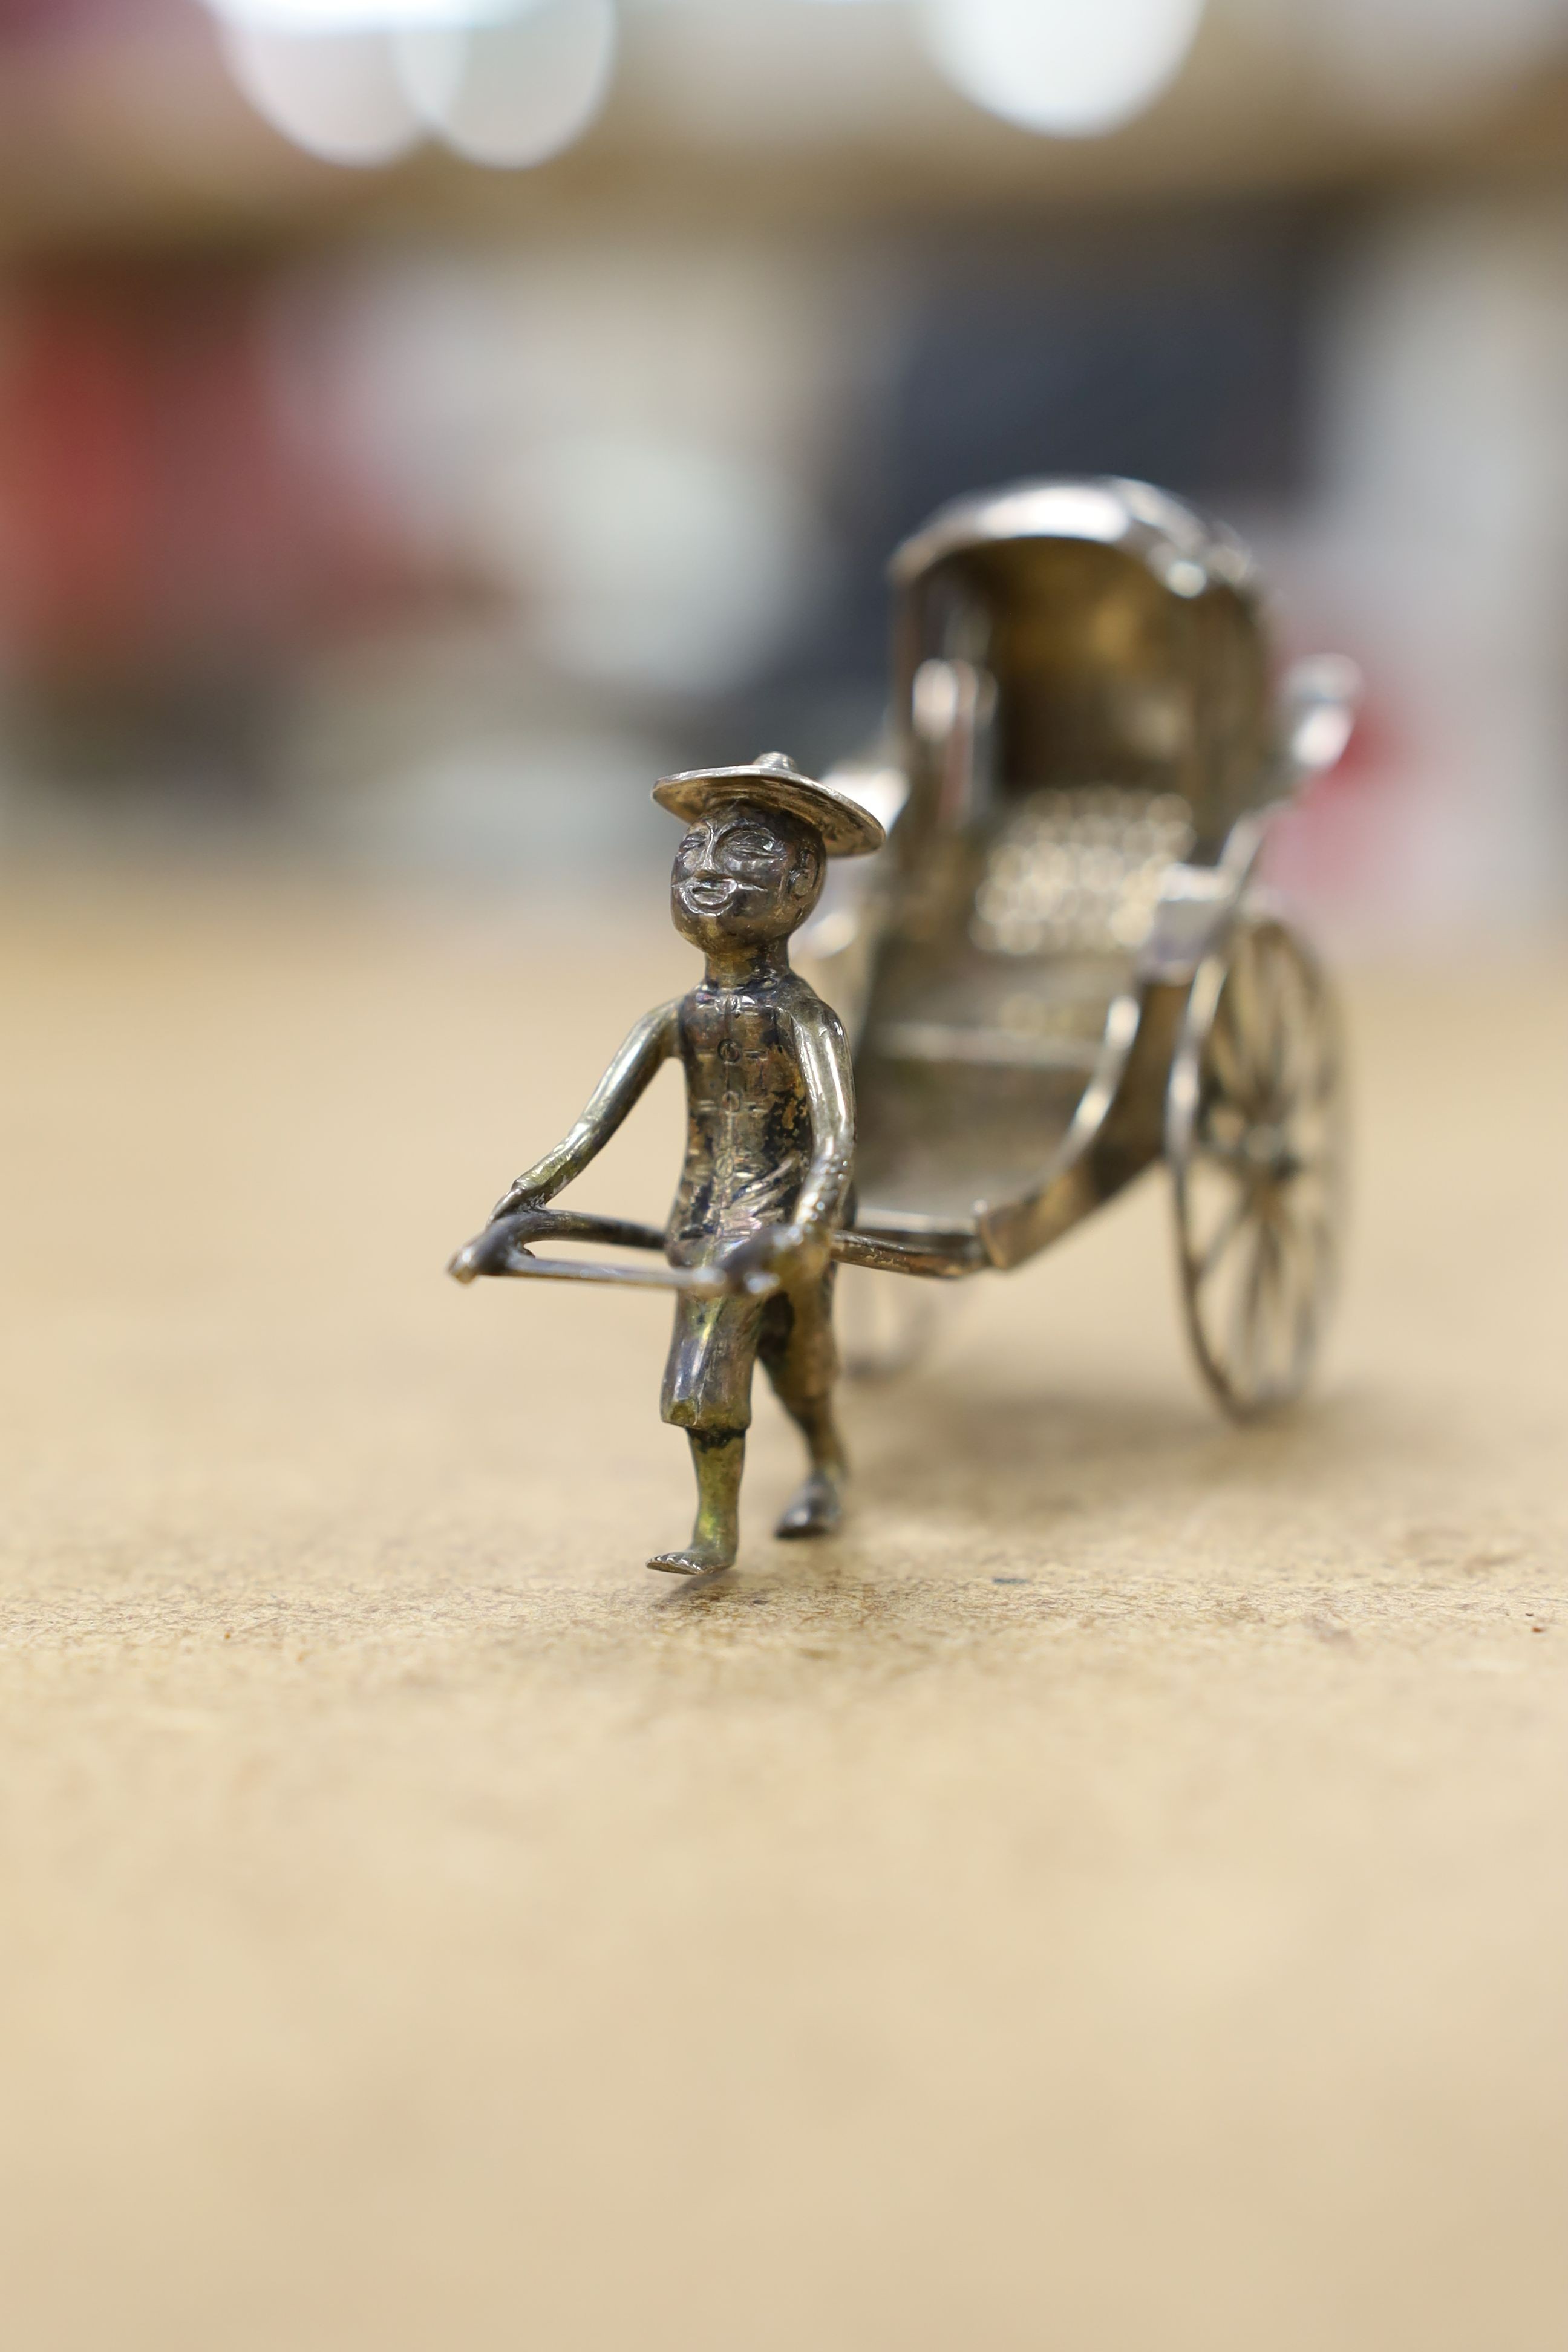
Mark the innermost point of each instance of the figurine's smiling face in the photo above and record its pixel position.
(744, 876)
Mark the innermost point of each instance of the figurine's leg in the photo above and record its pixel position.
(801, 1363)
(718, 1456)
(817, 1507)
(707, 1392)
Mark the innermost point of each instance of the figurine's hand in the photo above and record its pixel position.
(524, 1193)
(809, 1249)
(792, 1253)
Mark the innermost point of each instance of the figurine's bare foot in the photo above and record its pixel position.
(717, 1457)
(696, 1559)
(818, 1507)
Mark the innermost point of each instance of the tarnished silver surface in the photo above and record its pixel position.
(1085, 751)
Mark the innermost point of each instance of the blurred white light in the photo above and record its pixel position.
(1074, 68)
(518, 93)
(652, 562)
(337, 95)
(329, 17)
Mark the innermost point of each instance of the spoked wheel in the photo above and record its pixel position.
(1254, 1133)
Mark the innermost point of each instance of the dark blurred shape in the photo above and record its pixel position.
(1173, 351)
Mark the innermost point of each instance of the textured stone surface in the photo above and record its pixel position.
(1117, 1897)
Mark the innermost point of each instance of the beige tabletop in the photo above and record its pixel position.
(1117, 1897)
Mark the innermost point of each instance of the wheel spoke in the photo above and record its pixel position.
(1224, 1155)
(1244, 1319)
(1278, 1313)
(1319, 1242)
(1224, 1053)
(1229, 1225)
(1321, 1083)
(1265, 1021)
(1297, 1027)
(1322, 1166)
(1274, 1032)
(1313, 1246)
(1308, 1301)
(1240, 1001)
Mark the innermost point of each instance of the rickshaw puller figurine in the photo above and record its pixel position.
(770, 1134)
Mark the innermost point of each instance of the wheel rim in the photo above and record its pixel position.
(1255, 1137)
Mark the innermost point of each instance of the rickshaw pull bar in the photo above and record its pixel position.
(502, 1249)
(695, 1281)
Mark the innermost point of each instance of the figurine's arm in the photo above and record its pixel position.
(823, 1056)
(655, 1037)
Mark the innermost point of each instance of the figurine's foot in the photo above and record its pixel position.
(696, 1559)
(817, 1509)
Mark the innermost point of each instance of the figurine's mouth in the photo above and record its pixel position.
(709, 895)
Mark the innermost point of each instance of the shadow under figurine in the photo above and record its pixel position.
(770, 1143)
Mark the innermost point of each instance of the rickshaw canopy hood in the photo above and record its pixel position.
(1083, 632)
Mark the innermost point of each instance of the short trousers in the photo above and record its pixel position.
(717, 1342)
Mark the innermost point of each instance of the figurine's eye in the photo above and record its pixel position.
(759, 845)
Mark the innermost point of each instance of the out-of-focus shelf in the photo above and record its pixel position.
(131, 131)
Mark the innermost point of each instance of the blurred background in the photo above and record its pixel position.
(422, 422)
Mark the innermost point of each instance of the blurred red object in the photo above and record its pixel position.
(162, 513)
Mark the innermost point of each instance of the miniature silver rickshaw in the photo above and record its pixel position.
(1066, 971)
(1057, 971)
